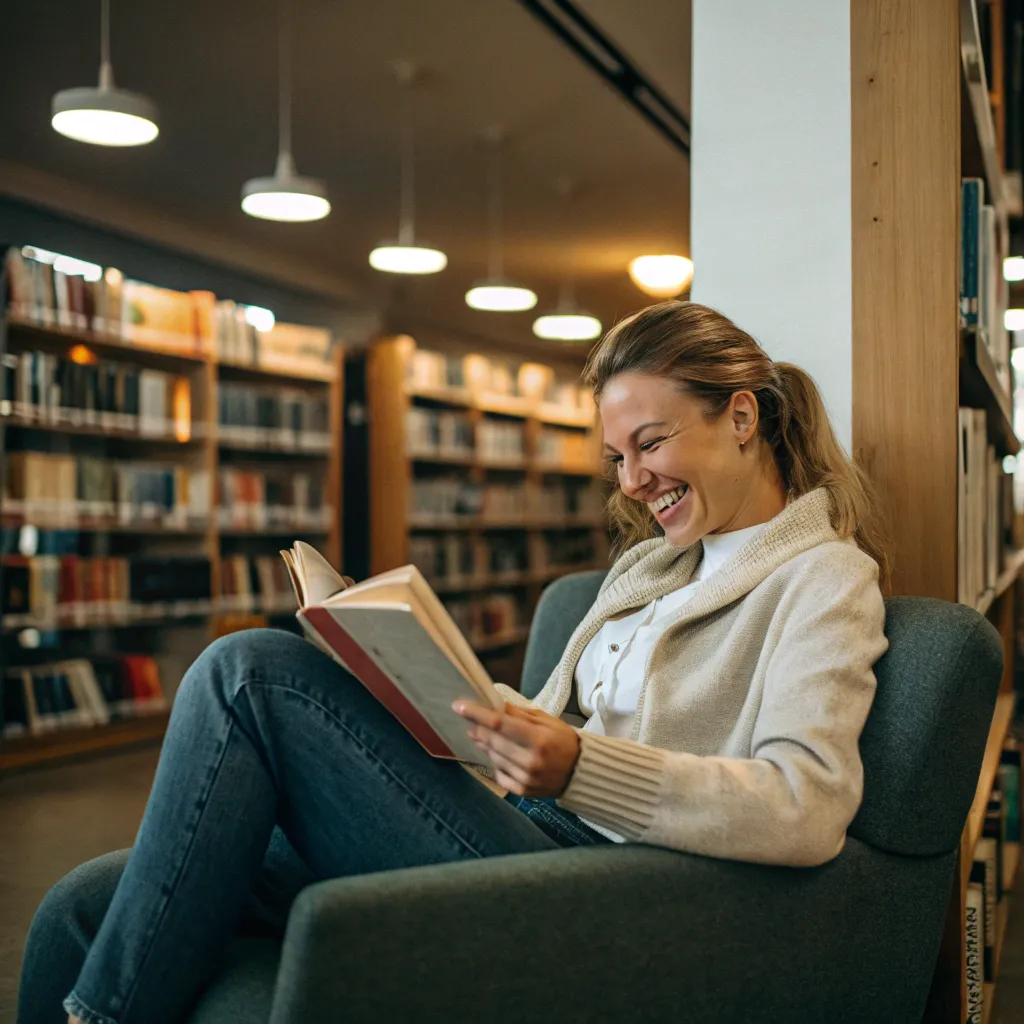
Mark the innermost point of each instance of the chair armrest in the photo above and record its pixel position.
(618, 933)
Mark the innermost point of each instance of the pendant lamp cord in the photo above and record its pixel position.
(106, 72)
(407, 196)
(495, 268)
(284, 100)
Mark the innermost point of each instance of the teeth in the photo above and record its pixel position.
(667, 500)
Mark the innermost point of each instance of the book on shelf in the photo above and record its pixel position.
(983, 872)
(1009, 784)
(394, 635)
(983, 290)
(984, 522)
(52, 390)
(973, 967)
(285, 348)
(55, 591)
(78, 692)
(59, 489)
(273, 417)
(500, 441)
(271, 499)
(257, 585)
(438, 433)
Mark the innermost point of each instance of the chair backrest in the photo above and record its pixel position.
(925, 737)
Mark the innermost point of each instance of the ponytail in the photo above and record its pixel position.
(709, 357)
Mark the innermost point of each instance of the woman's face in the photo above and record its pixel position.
(690, 471)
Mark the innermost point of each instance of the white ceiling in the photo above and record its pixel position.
(211, 66)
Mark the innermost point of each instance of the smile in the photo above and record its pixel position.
(668, 500)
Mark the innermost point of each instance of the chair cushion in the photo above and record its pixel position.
(243, 991)
(925, 737)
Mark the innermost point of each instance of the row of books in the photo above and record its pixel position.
(567, 448)
(248, 499)
(41, 388)
(459, 560)
(68, 590)
(287, 348)
(500, 440)
(78, 692)
(249, 585)
(996, 857)
(983, 290)
(984, 509)
(438, 432)
(62, 489)
(440, 498)
(262, 416)
(486, 376)
(481, 618)
(136, 313)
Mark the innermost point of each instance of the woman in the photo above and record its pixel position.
(724, 672)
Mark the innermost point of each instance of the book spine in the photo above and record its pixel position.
(974, 916)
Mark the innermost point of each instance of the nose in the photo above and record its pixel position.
(634, 479)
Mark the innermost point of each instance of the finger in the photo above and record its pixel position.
(509, 770)
(525, 756)
(487, 717)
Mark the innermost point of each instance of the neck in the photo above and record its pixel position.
(762, 499)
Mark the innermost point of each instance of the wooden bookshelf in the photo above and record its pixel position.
(397, 461)
(204, 450)
(31, 751)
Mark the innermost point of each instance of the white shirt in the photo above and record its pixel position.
(611, 670)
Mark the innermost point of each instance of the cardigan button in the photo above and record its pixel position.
(613, 647)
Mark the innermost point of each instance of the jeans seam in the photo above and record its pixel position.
(370, 755)
(148, 942)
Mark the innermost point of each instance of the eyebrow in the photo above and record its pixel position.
(633, 435)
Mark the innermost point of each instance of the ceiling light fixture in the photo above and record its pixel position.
(106, 115)
(568, 322)
(286, 196)
(1013, 319)
(664, 277)
(496, 294)
(1013, 268)
(404, 256)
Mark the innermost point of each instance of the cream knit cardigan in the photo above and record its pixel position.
(745, 740)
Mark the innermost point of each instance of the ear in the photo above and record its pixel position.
(744, 415)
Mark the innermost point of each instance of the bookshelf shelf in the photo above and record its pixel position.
(30, 751)
(441, 459)
(980, 387)
(55, 335)
(1014, 565)
(445, 524)
(129, 620)
(274, 531)
(94, 430)
(545, 412)
(989, 767)
(277, 451)
(246, 371)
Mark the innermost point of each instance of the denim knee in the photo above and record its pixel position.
(232, 660)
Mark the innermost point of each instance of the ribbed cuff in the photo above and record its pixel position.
(616, 783)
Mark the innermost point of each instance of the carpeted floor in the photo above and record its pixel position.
(51, 820)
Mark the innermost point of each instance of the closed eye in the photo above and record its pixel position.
(647, 446)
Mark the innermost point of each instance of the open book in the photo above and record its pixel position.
(394, 635)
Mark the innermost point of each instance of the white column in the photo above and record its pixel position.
(770, 181)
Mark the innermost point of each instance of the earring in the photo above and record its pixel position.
(742, 443)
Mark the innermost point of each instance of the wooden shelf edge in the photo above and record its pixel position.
(29, 751)
(1011, 862)
(1005, 580)
(980, 388)
(989, 768)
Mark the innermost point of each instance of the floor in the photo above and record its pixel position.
(54, 819)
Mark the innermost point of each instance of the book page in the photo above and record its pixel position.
(318, 577)
(394, 639)
(408, 585)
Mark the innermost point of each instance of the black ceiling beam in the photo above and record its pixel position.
(593, 47)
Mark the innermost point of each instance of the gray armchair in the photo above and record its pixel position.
(636, 933)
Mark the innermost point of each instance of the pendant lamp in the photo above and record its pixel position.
(106, 115)
(567, 322)
(286, 196)
(663, 277)
(405, 256)
(496, 294)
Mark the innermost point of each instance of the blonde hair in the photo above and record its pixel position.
(706, 355)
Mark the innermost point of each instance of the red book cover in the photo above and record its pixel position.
(365, 669)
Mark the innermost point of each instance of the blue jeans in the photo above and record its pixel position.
(278, 770)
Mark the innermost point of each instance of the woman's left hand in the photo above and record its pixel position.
(533, 752)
